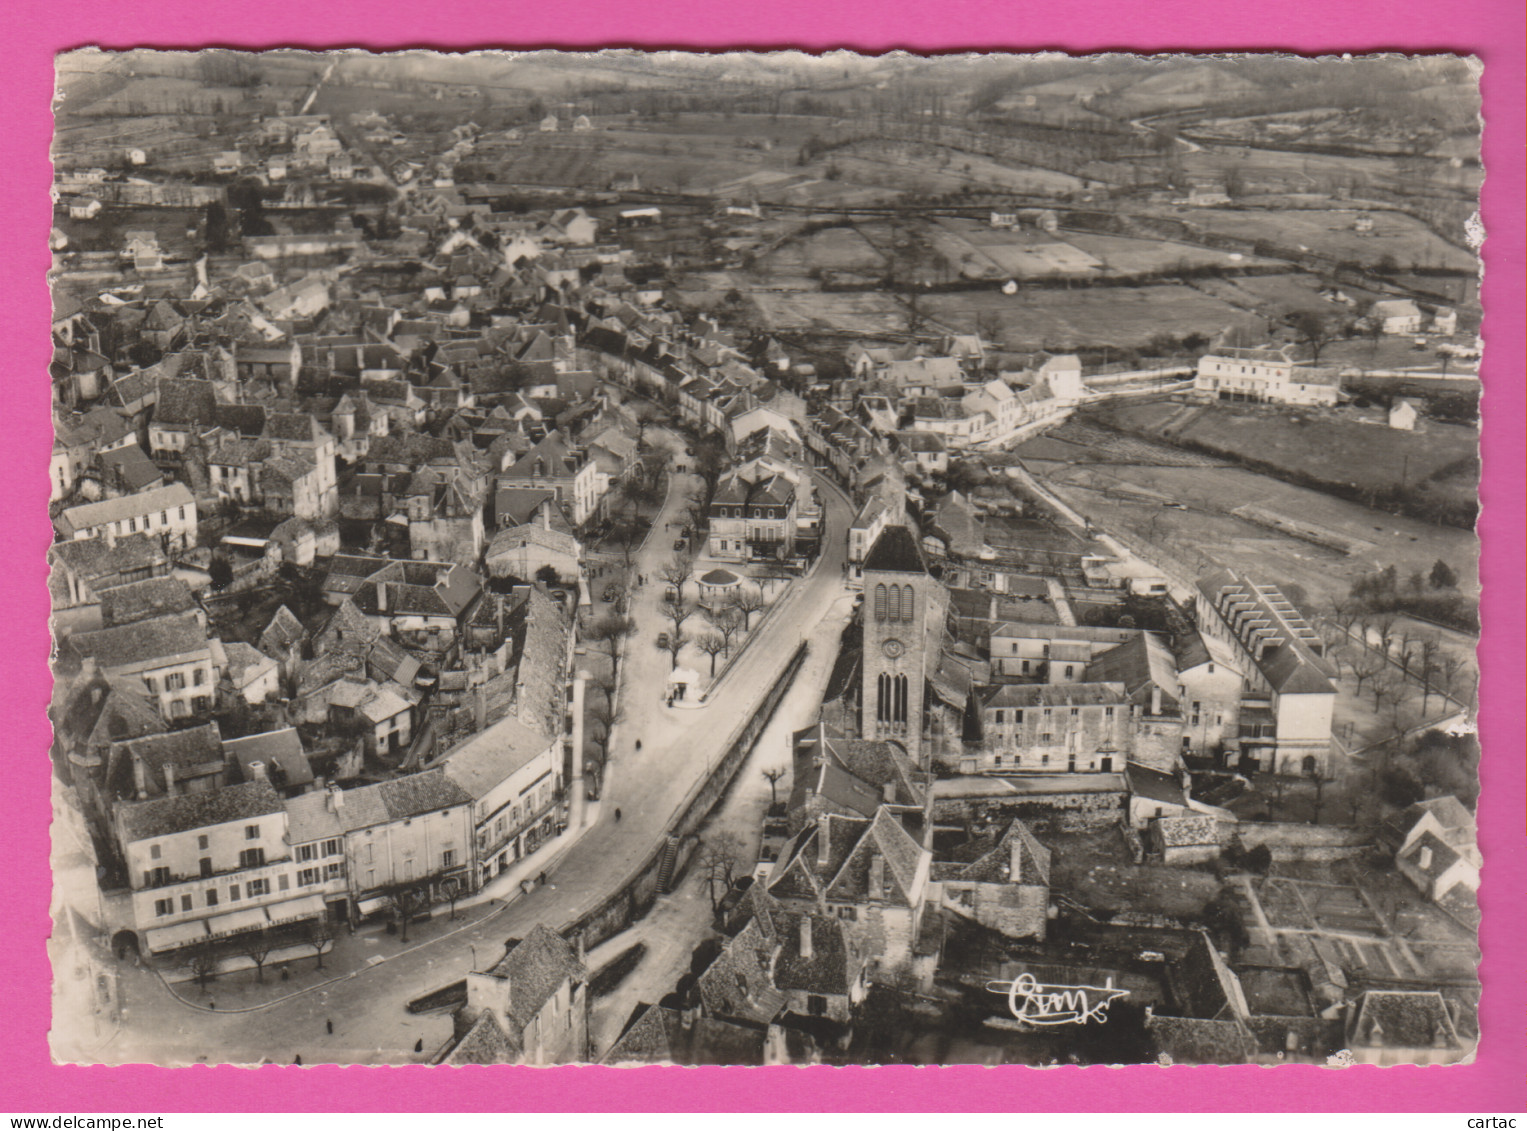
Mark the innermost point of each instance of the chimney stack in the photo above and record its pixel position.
(169, 779)
(824, 840)
(888, 793)
(140, 778)
(257, 771)
(336, 799)
(806, 936)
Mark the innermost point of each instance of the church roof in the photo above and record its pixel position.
(895, 551)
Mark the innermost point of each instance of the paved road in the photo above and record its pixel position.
(679, 746)
(680, 919)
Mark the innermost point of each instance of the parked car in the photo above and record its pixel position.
(610, 592)
(662, 640)
(679, 544)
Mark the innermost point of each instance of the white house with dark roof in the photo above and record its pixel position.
(252, 675)
(513, 774)
(209, 865)
(752, 518)
(523, 551)
(1006, 888)
(1289, 698)
(167, 513)
(866, 871)
(172, 655)
(318, 850)
(1266, 376)
(1051, 728)
(1397, 316)
(414, 831)
(531, 1007)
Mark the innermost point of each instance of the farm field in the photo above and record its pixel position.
(1330, 232)
(107, 229)
(1126, 255)
(1273, 296)
(1394, 352)
(934, 169)
(1341, 446)
(1208, 533)
(834, 249)
(1124, 317)
(867, 312)
(1273, 170)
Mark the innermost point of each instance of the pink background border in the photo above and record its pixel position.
(34, 31)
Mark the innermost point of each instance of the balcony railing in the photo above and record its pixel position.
(215, 874)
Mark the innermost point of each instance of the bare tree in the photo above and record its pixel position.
(450, 887)
(1314, 330)
(320, 936)
(1430, 646)
(722, 858)
(678, 612)
(1384, 624)
(773, 774)
(712, 645)
(1366, 664)
(203, 963)
(678, 571)
(1386, 684)
(605, 683)
(604, 715)
(1407, 641)
(645, 416)
(747, 600)
(1450, 667)
(626, 535)
(728, 623)
(256, 946)
(696, 510)
(675, 645)
(407, 900)
(610, 631)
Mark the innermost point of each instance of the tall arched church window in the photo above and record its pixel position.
(880, 602)
(906, 602)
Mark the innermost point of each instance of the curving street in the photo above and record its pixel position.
(679, 745)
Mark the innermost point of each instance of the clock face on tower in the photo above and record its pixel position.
(892, 648)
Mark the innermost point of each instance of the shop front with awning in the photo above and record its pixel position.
(294, 910)
(371, 906)
(181, 934)
(234, 922)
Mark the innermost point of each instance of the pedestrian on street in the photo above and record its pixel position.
(419, 1045)
(330, 1024)
(638, 746)
(297, 1059)
(212, 1005)
(617, 814)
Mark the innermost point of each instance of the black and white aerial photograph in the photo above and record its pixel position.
(764, 558)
